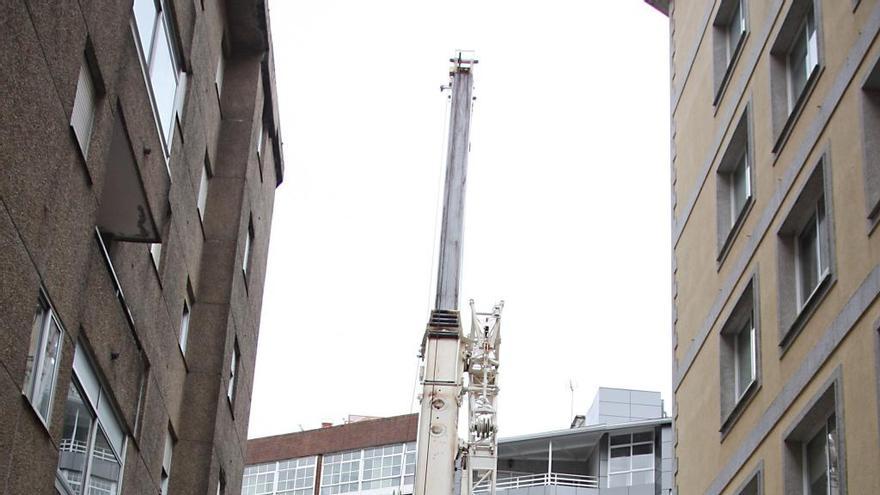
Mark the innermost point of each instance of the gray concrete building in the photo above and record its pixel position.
(140, 156)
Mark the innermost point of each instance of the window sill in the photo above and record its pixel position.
(796, 112)
(728, 72)
(728, 421)
(734, 232)
(800, 321)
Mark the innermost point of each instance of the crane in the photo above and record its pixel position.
(447, 353)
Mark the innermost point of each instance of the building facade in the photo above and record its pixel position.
(622, 446)
(368, 456)
(140, 159)
(776, 199)
(628, 453)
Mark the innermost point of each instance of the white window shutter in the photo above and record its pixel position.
(83, 115)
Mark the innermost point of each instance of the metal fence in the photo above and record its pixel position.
(545, 479)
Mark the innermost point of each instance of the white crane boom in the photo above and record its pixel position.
(446, 352)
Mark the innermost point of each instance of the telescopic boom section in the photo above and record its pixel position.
(442, 353)
(449, 266)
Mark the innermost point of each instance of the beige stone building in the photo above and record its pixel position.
(775, 165)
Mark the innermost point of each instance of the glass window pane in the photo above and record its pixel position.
(646, 436)
(620, 439)
(797, 67)
(145, 14)
(74, 444)
(642, 477)
(808, 260)
(105, 468)
(744, 358)
(833, 457)
(817, 465)
(735, 30)
(620, 459)
(36, 336)
(643, 456)
(163, 78)
(616, 480)
(49, 363)
(740, 190)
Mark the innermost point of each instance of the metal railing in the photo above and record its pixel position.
(544, 479)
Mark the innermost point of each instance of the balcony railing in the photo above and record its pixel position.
(545, 479)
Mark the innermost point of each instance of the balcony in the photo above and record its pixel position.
(545, 484)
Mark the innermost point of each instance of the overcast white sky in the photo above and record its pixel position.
(567, 212)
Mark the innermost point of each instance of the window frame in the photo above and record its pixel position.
(786, 107)
(744, 316)
(631, 445)
(817, 223)
(234, 372)
(203, 189)
(813, 418)
(739, 388)
(39, 338)
(870, 123)
(91, 92)
(185, 319)
(739, 151)
(248, 253)
(725, 54)
(102, 411)
(167, 455)
(163, 19)
(795, 308)
(407, 449)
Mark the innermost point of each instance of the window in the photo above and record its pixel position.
(734, 185)
(248, 247)
(802, 58)
(218, 76)
(389, 466)
(166, 463)
(260, 133)
(744, 344)
(730, 28)
(258, 480)
(233, 371)
(165, 78)
(92, 441)
(296, 476)
(202, 200)
(813, 461)
(811, 254)
(183, 336)
(754, 485)
(806, 257)
(739, 356)
(631, 459)
(795, 60)
(287, 477)
(871, 154)
(156, 254)
(42, 361)
(83, 116)
(221, 484)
